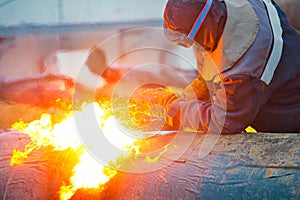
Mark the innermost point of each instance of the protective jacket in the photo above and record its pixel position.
(256, 76)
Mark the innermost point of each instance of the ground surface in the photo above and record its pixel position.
(249, 166)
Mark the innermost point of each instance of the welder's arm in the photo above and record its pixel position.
(166, 96)
(234, 108)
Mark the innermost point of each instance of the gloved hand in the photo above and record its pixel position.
(165, 103)
(173, 116)
(196, 90)
(160, 96)
(157, 101)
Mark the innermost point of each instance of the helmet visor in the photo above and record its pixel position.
(178, 38)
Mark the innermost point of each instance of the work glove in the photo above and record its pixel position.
(165, 102)
(196, 90)
(157, 100)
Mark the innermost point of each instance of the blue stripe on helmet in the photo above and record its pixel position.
(200, 19)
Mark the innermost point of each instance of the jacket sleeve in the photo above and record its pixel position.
(196, 90)
(234, 107)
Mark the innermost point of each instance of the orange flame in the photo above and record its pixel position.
(87, 173)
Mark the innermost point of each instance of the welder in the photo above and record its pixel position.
(248, 63)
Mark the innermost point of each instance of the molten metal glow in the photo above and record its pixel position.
(87, 173)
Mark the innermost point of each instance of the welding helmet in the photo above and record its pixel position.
(181, 37)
